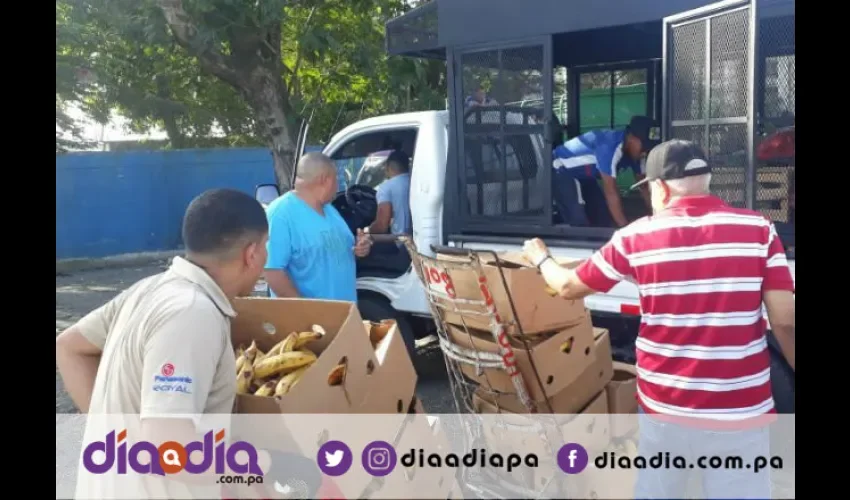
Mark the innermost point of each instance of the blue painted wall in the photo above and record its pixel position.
(126, 202)
(110, 203)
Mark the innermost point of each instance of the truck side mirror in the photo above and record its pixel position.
(266, 193)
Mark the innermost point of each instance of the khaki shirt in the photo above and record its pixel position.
(166, 351)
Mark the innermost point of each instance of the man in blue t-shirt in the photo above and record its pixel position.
(393, 197)
(311, 249)
(600, 155)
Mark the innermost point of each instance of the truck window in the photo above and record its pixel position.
(351, 155)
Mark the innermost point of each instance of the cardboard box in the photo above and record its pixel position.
(574, 397)
(592, 429)
(419, 432)
(393, 383)
(268, 321)
(622, 390)
(557, 368)
(536, 310)
(622, 399)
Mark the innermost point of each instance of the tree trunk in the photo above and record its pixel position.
(253, 67)
(267, 96)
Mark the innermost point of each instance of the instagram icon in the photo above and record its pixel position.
(379, 458)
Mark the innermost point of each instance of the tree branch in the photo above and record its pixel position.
(186, 34)
(294, 84)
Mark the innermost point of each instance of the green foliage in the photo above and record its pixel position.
(332, 64)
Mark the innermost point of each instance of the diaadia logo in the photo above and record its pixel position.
(171, 457)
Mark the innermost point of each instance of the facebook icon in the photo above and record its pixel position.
(572, 458)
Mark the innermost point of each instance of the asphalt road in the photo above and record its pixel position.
(79, 292)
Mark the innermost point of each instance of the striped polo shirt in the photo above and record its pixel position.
(701, 268)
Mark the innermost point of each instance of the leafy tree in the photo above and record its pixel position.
(256, 69)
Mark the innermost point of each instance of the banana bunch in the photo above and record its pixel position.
(275, 373)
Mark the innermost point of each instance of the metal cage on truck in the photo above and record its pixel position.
(719, 73)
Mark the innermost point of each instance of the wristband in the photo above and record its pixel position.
(543, 261)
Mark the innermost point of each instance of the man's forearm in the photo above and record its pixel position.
(647, 199)
(785, 337)
(281, 284)
(78, 374)
(615, 206)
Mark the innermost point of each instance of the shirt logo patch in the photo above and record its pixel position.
(166, 381)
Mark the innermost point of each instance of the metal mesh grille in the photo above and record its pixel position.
(414, 31)
(713, 111)
(775, 151)
(503, 133)
(687, 80)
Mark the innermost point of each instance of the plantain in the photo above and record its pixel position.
(315, 333)
(283, 363)
(251, 352)
(288, 381)
(337, 375)
(266, 389)
(244, 379)
(276, 349)
(288, 344)
(551, 291)
(240, 359)
(567, 346)
(377, 331)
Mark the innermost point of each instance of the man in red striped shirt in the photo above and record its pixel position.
(703, 270)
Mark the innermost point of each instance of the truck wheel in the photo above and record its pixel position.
(375, 307)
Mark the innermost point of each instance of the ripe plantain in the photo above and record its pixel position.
(377, 331)
(288, 344)
(283, 362)
(567, 346)
(288, 381)
(276, 349)
(240, 359)
(251, 352)
(337, 375)
(315, 333)
(266, 389)
(244, 379)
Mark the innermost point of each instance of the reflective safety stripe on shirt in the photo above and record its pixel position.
(701, 268)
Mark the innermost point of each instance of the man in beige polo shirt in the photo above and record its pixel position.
(161, 349)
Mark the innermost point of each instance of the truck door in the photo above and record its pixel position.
(501, 102)
(709, 89)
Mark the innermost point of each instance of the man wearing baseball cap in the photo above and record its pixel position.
(703, 270)
(600, 155)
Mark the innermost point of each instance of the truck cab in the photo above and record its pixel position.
(721, 74)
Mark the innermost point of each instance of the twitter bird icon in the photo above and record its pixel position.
(334, 458)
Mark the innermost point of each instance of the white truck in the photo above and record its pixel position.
(481, 176)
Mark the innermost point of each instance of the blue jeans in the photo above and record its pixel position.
(565, 192)
(658, 437)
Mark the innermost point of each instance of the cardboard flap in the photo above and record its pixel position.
(268, 321)
(508, 260)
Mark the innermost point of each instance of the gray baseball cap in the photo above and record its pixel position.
(675, 159)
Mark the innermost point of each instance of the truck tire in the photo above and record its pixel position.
(375, 307)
